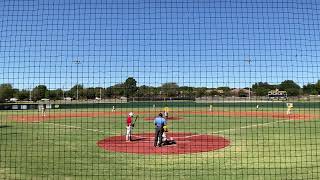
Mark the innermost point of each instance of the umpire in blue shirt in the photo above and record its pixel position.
(159, 122)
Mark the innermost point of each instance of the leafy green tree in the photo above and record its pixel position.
(155, 91)
(98, 91)
(59, 94)
(291, 87)
(56, 94)
(242, 93)
(261, 91)
(145, 91)
(170, 89)
(6, 92)
(262, 88)
(39, 92)
(317, 87)
(310, 89)
(213, 92)
(73, 92)
(130, 87)
(90, 93)
(23, 95)
(118, 90)
(15, 92)
(201, 92)
(226, 90)
(187, 91)
(107, 93)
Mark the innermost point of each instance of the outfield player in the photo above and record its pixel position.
(43, 110)
(289, 108)
(159, 122)
(129, 127)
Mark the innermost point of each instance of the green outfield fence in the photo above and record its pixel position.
(161, 105)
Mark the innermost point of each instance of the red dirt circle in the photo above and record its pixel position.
(169, 118)
(185, 143)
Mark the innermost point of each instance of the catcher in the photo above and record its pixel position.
(165, 139)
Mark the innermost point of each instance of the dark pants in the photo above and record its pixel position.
(158, 136)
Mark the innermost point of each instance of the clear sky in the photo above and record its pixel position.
(193, 43)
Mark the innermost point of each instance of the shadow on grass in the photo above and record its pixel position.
(4, 126)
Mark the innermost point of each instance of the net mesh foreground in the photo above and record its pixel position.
(83, 83)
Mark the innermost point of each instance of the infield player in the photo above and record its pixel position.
(129, 127)
(166, 112)
(289, 108)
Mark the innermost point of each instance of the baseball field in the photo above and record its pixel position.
(235, 142)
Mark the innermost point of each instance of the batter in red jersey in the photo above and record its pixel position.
(129, 126)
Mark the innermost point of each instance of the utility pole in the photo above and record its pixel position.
(63, 93)
(30, 95)
(249, 62)
(77, 62)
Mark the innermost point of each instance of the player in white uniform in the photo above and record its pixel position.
(43, 110)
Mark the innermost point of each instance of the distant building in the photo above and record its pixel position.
(277, 95)
(13, 99)
(220, 91)
(67, 99)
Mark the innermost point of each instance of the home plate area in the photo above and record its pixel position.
(185, 143)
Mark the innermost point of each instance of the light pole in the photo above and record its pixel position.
(249, 62)
(63, 86)
(30, 94)
(77, 62)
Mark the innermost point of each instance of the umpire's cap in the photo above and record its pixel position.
(160, 114)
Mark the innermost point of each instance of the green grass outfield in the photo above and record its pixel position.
(261, 148)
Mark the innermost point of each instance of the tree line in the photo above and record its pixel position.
(129, 89)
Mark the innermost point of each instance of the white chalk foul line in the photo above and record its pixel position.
(243, 127)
